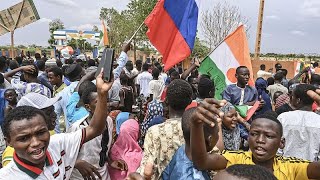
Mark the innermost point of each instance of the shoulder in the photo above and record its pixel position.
(291, 160)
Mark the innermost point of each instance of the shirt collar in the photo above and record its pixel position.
(32, 171)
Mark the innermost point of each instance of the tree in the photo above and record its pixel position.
(53, 26)
(95, 28)
(200, 50)
(220, 21)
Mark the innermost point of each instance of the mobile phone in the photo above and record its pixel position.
(106, 63)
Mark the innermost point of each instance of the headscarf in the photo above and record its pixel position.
(231, 138)
(261, 86)
(121, 118)
(155, 109)
(282, 100)
(126, 148)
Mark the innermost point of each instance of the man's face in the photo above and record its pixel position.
(243, 75)
(30, 139)
(264, 139)
(54, 80)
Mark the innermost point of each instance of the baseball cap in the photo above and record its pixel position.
(37, 100)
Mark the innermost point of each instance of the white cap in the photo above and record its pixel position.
(37, 100)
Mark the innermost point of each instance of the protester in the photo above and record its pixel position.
(241, 93)
(232, 134)
(181, 166)
(11, 97)
(301, 127)
(163, 140)
(261, 86)
(126, 94)
(156, 85)
(277, 85)
(264, 141)
(32, 84)
(40, 102)
(59, 153)
(206, 88)
(55, 76)
(126, 148)
(143, 80)
(262, 73)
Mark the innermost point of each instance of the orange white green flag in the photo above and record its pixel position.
(222, 63)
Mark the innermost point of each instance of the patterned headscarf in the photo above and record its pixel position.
(231, 138)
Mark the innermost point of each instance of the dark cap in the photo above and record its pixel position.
(73, 71)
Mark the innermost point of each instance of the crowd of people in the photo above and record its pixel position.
(60, 121)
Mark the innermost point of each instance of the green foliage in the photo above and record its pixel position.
(200, 50)
(80, 43)
(95, 28)
(53, 26)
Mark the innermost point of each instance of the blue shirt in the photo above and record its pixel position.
(2, 106)
(75, 113)
(181, 168)
(233, 94)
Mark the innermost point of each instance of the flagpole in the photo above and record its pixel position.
(135, 33)
(213, 50)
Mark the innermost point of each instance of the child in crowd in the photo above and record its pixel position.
(181, 165)
(11, 97)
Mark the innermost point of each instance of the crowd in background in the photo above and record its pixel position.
(60, 121)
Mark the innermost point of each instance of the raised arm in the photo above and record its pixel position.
(8, 75)
(186, 73)
(98, 122)
(207, 112)
(122, 60)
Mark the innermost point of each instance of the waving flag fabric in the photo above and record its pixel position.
(222, 63)
(172, 29)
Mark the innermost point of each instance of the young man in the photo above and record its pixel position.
(36, 156)
(277, 85)
(301, 128)
(55, 77)
(143, 80)
(32, 84)
(240, 93)
(263, 73)
(92, 158)
(126, 94)
(265, 139)
(162, 141)
(156, 85)
(38, 101)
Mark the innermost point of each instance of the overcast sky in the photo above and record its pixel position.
(290, 26)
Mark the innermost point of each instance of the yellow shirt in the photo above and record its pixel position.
(7, 155)
(283, 168)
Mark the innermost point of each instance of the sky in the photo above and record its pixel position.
(290, 26)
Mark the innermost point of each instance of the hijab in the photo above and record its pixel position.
(121, 118)
(126, 148)
(231, 138)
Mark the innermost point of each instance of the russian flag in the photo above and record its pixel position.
(172, 29)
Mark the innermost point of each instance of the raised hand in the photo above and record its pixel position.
(208, 112)
(102, 86)
(120, 165)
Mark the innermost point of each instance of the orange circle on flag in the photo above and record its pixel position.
(231, 75)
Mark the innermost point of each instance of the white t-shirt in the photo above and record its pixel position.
(263, 74)
(143, 80)
(301, 130)
(62, 154)
(156, 88)
(89, 152)
(163, 76)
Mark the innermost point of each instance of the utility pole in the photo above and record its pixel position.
(259, 31)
